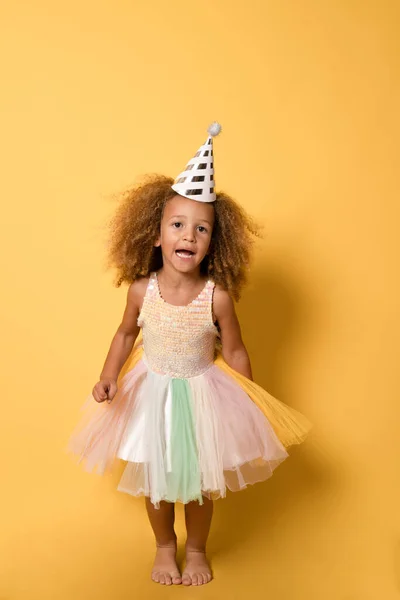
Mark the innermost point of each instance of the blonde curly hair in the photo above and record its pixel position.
(135, 227)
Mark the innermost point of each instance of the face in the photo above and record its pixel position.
(185, 233)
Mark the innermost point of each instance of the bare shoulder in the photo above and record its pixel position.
(137, 291)
(223, 301)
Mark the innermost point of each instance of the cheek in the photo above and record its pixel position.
(206, 242)
(168, 235)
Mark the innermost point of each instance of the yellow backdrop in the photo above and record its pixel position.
(95, 94)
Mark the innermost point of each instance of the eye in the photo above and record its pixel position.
(177, 224)
(202, 229)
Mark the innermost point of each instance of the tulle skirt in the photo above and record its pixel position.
(184, 439)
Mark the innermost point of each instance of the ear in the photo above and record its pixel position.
(157, 243)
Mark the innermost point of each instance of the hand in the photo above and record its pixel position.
(105, 389)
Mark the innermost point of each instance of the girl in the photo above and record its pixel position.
(187, 417)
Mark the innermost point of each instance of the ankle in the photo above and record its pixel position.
(190, 547)
(169, 543)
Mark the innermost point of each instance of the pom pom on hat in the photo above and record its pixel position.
(214, 129)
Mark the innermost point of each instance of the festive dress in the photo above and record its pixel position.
(185, 422)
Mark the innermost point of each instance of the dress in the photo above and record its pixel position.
(186, 423)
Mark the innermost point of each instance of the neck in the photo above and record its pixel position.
(176, 279)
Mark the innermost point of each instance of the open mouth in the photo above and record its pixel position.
(184, 253)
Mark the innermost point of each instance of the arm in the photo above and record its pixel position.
(127, 332)
(122, 343)
(233, 349)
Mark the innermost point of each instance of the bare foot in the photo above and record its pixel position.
(197, 570)
(165, 570)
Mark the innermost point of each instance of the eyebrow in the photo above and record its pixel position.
(184, 217)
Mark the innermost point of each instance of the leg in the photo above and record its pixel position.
(165, 569)
(198, 522)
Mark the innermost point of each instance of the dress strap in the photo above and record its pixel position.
(150, 295)
(208, 289)
(152, 288)
(205, 299)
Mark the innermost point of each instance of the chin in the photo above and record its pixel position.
(185, 268)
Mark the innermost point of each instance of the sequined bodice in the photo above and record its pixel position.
(178, 340)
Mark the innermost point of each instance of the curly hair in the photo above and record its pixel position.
(135, 227)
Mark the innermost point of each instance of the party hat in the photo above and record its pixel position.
(197, 180)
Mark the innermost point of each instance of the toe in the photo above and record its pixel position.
(186, 580)
(162, 578)
(176, 579)
(168, 579)
(195, 579)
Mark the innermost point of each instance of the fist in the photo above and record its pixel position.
(105, 389)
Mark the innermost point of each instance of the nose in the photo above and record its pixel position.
(189, 234)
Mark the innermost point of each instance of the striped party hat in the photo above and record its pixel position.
(197, 180)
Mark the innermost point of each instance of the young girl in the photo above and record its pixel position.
(187, 417)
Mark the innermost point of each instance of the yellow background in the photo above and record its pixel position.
(95, 94)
